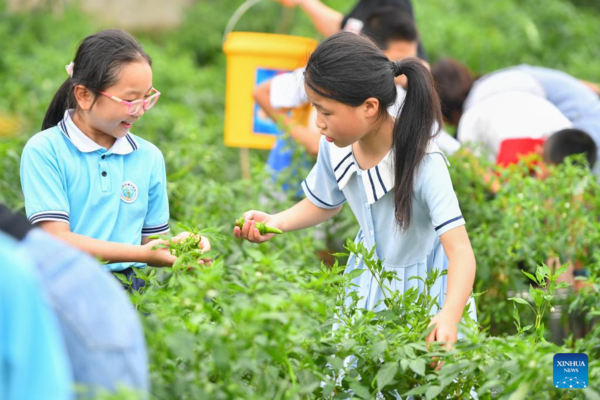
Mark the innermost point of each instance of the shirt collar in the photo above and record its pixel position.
(378, 180)
(83, 143)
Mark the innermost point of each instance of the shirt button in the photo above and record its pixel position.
(104, 173)
(103, 156)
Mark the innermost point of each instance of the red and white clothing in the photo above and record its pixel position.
(509, 123)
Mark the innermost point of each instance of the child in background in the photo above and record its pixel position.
(511, 125)
(567, 143)
(394, 32)
(506, 117)
(576, 99)
(393, 176)
(329, 21)
(86, 178)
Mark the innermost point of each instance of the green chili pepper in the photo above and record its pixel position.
(262, 228)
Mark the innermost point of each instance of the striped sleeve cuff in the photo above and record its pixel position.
(317, 201)
(59, 216)
(155, 230)
(450, 224)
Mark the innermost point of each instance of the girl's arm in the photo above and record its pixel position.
(307, 137)
(325, 19)
(303, 215)
(262, 95)
(461, 276)
(111, 251)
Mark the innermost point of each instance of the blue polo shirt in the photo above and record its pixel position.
(116, 195)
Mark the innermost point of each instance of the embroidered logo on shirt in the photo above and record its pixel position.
(129, 192)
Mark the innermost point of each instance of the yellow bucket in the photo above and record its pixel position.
(251, 59)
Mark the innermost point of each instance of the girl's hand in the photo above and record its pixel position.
(162, 257)
(249, 230)
(204, 245)
(445, 329)
(159, 257)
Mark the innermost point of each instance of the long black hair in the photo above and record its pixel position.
(350, 69)
(97, 65)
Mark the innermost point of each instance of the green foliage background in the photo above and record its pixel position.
(258, 323)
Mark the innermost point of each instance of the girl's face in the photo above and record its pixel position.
(342, 124)
(107, 119)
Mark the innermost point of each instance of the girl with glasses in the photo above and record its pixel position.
(86, 177)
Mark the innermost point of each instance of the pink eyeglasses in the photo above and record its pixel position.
(134, 107)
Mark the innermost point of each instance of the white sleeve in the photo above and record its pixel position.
(469, 127)
(287, 90)
(447, 143)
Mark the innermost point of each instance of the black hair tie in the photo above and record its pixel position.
(397, 69)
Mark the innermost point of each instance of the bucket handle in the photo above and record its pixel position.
(239, 12)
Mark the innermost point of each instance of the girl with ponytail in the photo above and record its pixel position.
(86, 177)
(390, 172)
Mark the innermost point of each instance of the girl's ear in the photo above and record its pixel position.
(371, 107)
(85, 98)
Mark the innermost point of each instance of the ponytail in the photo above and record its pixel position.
(414, 128)
(350, 69)
(63, 100)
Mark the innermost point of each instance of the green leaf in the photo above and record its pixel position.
(254, 253)
(562, 269)
(360, 390)
(516, 314)
(386, 374)
(404, 364)
(355, 273)
(545, 270)
(539, 274)
(530, 276)
(378, 348)
(418, 366)
(591, 394)
(519, 300)
(339, 255)
(521, 392)
(416, 391)
(336, 363)
(432, 392)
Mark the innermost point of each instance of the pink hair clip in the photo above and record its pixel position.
(69, 69)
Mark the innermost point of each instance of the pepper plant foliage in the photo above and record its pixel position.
(527, 223)
(262, 328)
